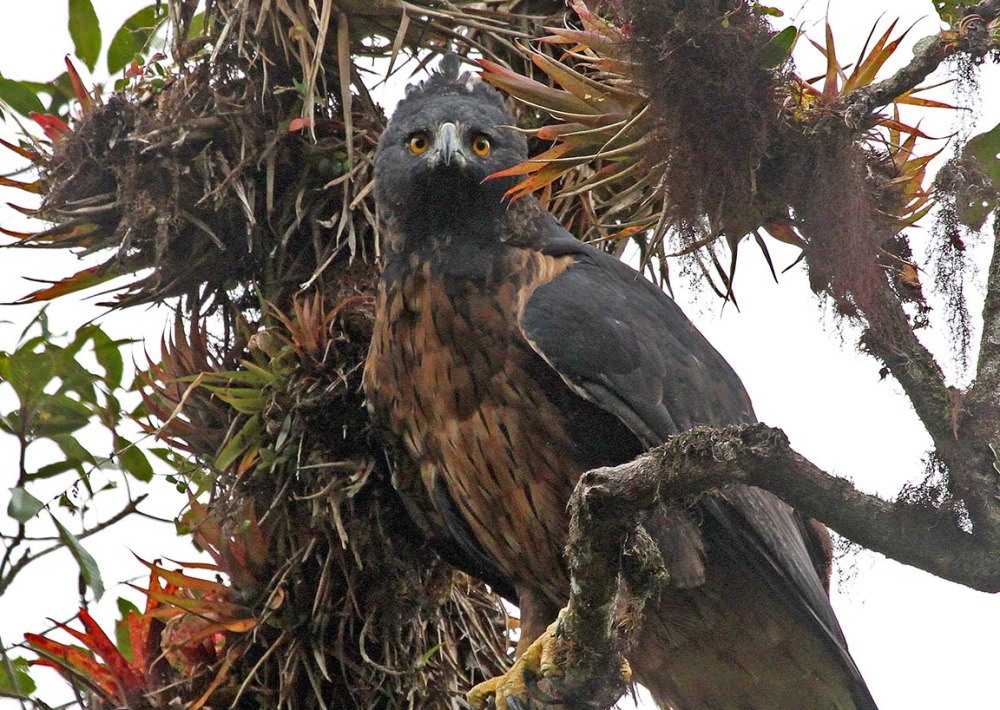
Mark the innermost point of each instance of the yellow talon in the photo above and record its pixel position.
(537, 661)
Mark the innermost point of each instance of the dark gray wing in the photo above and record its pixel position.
(620, 341)
(623, 344)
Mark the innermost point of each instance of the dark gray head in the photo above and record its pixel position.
(448, 134)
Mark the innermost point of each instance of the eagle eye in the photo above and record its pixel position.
(481, 145)
(419, 143)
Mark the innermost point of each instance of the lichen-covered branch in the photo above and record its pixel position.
(606, 548)
(986, 390)
(704, 459)
(615, 567)
(890, 338)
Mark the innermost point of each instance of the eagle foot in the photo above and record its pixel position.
(518, 688)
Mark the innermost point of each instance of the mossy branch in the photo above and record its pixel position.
(607, 546)
(987, 387)
(608, 503)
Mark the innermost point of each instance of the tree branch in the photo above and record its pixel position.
(889, 337)
(986, 390)
(859, 106)
(8, 577)
(607, 545)
(704, 459)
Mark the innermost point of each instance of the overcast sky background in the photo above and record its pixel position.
(920, 642)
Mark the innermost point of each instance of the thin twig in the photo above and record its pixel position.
(28, 558)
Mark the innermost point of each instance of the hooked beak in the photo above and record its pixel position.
(448, 147)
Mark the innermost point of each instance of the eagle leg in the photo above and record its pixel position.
(515, 689)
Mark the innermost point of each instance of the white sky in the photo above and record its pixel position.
(921, 642)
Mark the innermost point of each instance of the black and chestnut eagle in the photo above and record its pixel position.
(508, 358)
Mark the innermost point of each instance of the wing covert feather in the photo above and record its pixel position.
(612, 334)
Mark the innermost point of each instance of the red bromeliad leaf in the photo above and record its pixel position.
(199, 607)
(869, 63)
(783, 231)
(184, 581)
(28, 211)
(130, 681)
(73, 233)
(587, 90)
(206, 599)
(34, 187)
(139, 635)
(533, 92)
(558, 130)
(535, 164)
(115, 678)
(548, 174)
(86, 278)
(53, 126)
(902, 127)
(75, 662)
(31, 155)
(17, 235)
(909, 98)
(206, 530)
(82, 95)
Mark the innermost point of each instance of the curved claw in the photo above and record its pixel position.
(518, 687)
(514, 689)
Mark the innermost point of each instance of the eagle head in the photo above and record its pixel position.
(446, 137)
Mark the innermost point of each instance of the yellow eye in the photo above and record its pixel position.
(419, 143)
(481, 145)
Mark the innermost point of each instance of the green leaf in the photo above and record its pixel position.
(59, 414)
(54, 469)
(122, 636)
(61, 91)
(952, 10)
(767, 10)
(975, 206)
(133, 460)
(20, 97)
(985, 148)
(777, 51)
(85, 29)
(73, 450)
(18, 685)
(109, 356)
(23, 506)
(88, 566)
(241, 441)
(197, 26)
(27, 372)
(132, 37)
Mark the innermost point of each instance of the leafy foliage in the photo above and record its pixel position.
(85, 31)
(62, 391)
(132, 38)
(951, 11)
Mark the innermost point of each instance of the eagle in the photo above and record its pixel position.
(508, 358)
